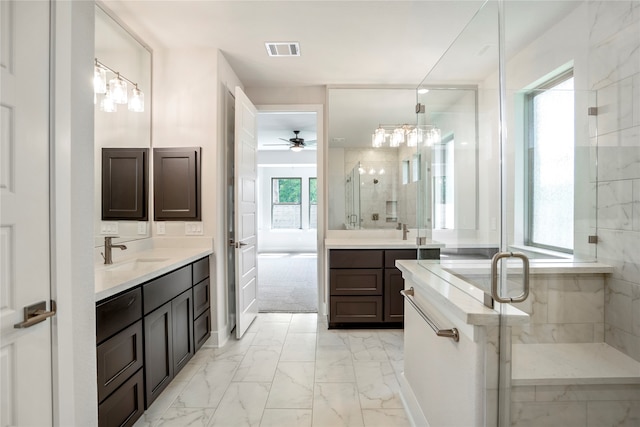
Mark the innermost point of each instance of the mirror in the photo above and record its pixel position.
(118, 49)
(376, 188)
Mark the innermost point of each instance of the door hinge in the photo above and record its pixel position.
(419, 108)
(593, 239)
(593, 111)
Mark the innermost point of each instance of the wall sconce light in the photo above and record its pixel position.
(116, 91)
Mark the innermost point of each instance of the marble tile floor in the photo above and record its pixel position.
(289, 370)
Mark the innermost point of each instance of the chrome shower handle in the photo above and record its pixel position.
(494, 276)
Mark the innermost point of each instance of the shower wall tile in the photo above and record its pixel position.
(619, 305)
(614, 38)
(635, 308)
(635, 210)
(555, 333)
(615, 106)
(618, 413)
(619, 155)
(636, 99)
(576, 299)
(615, 205)
(600, 392)
(526, 414)
(627, 343)
(620, 250)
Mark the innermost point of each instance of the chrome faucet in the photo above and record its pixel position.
(107, 249)
(405, 231)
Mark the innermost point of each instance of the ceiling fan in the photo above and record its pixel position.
(296, 143)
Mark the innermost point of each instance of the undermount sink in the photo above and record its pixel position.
(135, 264)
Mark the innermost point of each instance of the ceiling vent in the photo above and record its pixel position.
(283, 49)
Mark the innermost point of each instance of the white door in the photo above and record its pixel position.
(246, 221)
(25, 354)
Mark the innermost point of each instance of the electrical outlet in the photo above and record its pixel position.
(142, 227)
(193, 229)
(160, 228)
(109, 228)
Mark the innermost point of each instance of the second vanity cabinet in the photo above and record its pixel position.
(145, 336)
(365, 285)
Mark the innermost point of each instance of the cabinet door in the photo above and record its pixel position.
(158, 351)
(125, 183)
(393, 300)
(200, 298)
(125, 405)
(182, 327)
(202, 329)
(176, 181)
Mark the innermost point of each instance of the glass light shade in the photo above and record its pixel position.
(397, 138)
(372, 171)
(381, 171)
(360, 170)
(107, 105)
(378, 136)
(118, 90)
(99, 80)
(375, 142)
(412, 137)
(136, 101)
(296, 148)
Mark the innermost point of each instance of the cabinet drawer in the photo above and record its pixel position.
(200, 270)
(356, 282)
(393, 299)
(165, 288)
(201, 297)
(355, 309)
(202, 329)
(348, 258)
(118, 358)
(117, 313)
(391, 255)
(125, 406)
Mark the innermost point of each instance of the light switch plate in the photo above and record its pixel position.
(193, 229)
(160, 227)
(142, 227)
(109, 228)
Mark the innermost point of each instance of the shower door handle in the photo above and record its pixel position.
(494, 277)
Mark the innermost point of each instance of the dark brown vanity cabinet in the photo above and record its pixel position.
(201, 303)
(125, 183)
(120, 359)
(145, 336)
(365, 285)
(168, 328)
(177, 184)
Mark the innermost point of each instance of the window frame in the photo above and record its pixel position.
(312, 203)
(299, 204)
(529, 158)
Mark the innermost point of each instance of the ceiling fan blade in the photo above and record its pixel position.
(286, 140)
(313, 142)
(278, 144)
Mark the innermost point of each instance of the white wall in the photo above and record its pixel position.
(74, 336)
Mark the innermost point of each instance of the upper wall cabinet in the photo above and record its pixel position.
(176, 181)
(125, 183)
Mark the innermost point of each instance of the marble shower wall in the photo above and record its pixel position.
(614, 72)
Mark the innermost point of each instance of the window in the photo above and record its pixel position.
(286, 202)
(443, 184)
(549, 159)
(313, 203)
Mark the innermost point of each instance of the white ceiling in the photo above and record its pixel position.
(341, 42)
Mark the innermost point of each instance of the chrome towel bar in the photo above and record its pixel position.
(447, 333)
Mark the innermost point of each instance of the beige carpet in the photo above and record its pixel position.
(287, 283)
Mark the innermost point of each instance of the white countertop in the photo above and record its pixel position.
(128, 272)
(453, 300)
(377, 243)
